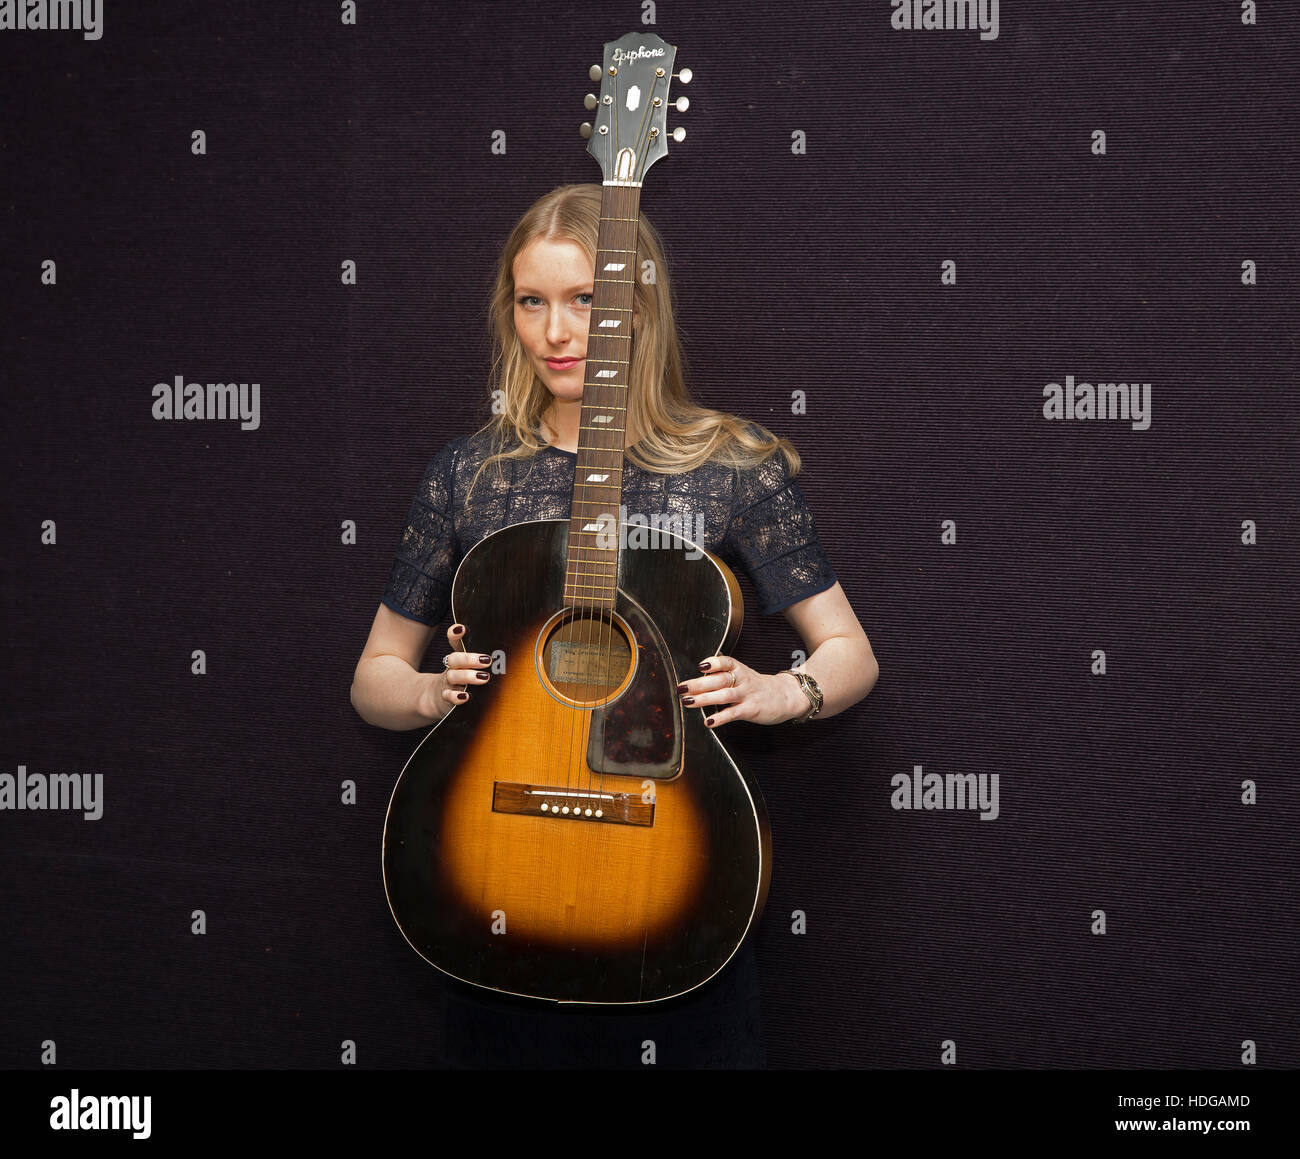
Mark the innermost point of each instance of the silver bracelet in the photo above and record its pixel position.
(814, 693)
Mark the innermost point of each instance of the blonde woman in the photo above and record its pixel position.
(733, 478)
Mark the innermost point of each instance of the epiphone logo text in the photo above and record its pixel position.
(620, 57)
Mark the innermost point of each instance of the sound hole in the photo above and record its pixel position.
(587, 656)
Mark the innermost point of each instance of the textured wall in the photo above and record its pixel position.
(1099, 613)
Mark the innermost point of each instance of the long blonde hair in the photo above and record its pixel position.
(677, 434)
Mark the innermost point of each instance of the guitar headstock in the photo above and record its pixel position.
(630, 133)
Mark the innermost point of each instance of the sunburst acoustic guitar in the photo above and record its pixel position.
(573, 833)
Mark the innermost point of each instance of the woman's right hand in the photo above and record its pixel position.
(464, 670)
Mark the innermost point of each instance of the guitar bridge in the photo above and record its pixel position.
(557, 802)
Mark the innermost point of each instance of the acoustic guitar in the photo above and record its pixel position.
(572, 833)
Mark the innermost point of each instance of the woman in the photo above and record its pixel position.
(681, 458)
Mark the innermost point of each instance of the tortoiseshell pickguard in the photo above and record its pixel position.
(640, 734)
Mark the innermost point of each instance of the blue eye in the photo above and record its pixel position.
(526, 299)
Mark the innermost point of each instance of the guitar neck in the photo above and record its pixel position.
(591, 572)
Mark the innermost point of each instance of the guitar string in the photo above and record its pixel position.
(595, 624)
(581, 717)
(579, 615)
(630, 226)
(597, 627)
(598, 622)
(626, 198)
(597, 650)
(607, 630)
(582, 647)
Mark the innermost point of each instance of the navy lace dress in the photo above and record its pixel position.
(758, 522)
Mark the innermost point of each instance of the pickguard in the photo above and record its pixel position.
(640, 733)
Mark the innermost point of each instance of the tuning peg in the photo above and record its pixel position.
(585, 129)
(591, 102)
(682, 103)
(596, 72)
(679, 134)
(684, 76)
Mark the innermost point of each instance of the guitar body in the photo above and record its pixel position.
(572, 833)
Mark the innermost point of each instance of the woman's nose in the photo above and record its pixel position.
(557, 329)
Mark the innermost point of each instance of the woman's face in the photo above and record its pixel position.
(553, 293)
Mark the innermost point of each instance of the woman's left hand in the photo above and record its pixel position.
(728, 690)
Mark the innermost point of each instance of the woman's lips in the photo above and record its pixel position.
(563, 363)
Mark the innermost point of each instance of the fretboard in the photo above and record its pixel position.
(591, 572)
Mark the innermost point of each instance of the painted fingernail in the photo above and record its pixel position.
(709, 722)
(681, 688)
(688, 700)
(704, 665)
(457, 629)
(462, 696)
(480, 675)
(485, 659)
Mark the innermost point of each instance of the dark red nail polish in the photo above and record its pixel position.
(480, 675)
(681, 688)
(704, 665)
(709, 722)
(688, 700)
(462, 696)
(485, 659)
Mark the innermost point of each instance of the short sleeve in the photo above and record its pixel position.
(773, 537)
(419, 585)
